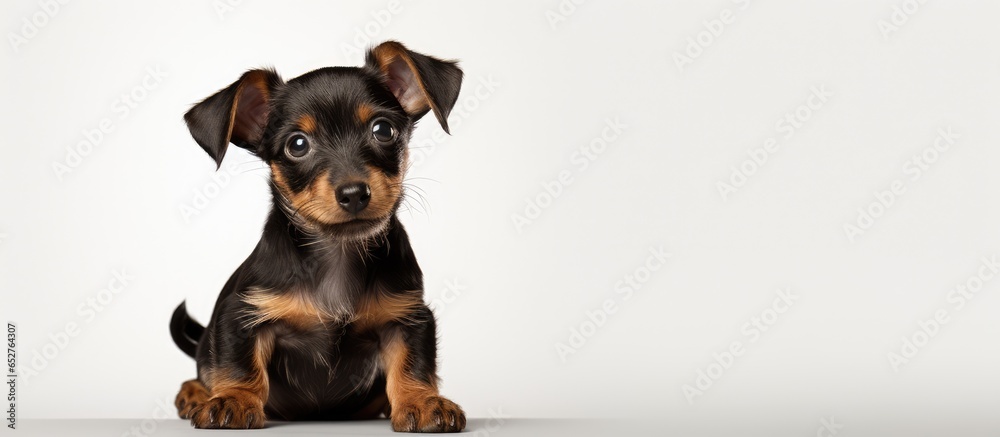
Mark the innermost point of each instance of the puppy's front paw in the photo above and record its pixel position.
(241, 411)
(430, 414)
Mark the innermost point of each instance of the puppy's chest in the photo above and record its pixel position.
(317, 365)
(313, 340)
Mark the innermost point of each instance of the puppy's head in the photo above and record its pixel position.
(334, 138)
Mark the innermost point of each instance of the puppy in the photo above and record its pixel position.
(325, 320)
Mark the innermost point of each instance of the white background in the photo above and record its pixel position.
(522, 291)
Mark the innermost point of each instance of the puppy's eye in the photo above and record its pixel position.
(297, 146)
(383, 132)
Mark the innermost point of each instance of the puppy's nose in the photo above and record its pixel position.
(354, 196)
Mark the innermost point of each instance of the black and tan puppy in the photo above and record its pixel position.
(325, 319)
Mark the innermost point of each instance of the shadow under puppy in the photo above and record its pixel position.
(325, 320)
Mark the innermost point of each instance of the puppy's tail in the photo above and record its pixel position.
(185, 331)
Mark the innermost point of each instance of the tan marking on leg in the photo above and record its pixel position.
(400, 385)
(238, 402)
(415, 406)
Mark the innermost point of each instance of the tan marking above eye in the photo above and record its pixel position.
(307, 124)
(365, 112)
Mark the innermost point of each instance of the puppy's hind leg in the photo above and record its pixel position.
(193, 393)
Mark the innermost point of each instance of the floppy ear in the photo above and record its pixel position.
(236, 114)
(419, 82)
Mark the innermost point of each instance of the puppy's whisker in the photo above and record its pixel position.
(422, 178)
(250, 170)
(420, 198)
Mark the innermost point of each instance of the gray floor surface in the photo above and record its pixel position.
(177, 427)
